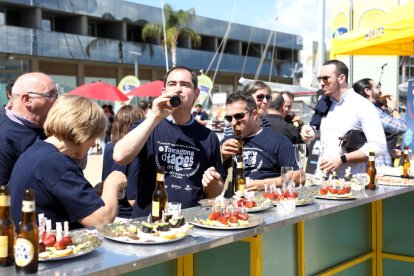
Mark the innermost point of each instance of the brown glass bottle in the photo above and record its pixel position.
(405, 164)
(6, 229)
(371, 172)
(239, 137)
(240, 179)
(159, 197)
(26, 246)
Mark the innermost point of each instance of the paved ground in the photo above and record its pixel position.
(93, 169)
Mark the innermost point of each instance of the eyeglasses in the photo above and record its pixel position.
(51, 94)
(237, 116)
(324, 78)
(260, 97)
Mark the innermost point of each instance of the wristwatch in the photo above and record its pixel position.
(343, 158)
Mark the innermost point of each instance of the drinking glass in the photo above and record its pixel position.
(286, 173)
(300, 156)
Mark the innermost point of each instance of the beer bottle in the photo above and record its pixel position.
(159, 197)
(239, 137)
(6, 229)
(240, 179)
(405, 164)
(26, 246)
(371, 172)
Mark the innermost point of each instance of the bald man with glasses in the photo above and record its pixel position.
(33, 95)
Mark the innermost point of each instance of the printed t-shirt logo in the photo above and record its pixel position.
(179, 160)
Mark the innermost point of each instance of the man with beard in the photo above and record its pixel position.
(346, 111)
(392, 123)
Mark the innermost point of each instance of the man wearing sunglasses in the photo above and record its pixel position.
(33, 95)
(346, 111)
(261, 93)
(264, 151)
(171, 137)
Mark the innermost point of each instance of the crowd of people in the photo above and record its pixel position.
(45, 138)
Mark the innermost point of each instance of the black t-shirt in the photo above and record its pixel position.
(15, 138)
(62, 192)
(131, 172)
(185, 152)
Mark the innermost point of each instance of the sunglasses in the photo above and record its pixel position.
(260, 97)
(237, 116)
(324, 78)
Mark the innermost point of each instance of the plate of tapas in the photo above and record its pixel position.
(394, 181)
(55, 246)
(142, 232)
(234, 220)
(255, 204)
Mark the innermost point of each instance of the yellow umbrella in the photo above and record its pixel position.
(391, 34)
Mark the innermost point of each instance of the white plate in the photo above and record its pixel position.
(144, 238)
(253, 222)
(150, 240)
(258, 209)
(394, 181)
(91, 236)
(336, 197)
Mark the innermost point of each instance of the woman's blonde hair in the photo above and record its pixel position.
(124, 118)
(75, 119)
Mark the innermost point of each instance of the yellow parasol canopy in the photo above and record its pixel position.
(391, 34)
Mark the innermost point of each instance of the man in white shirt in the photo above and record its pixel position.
(347, 111)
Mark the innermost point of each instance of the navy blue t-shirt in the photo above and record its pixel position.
(203, 115)
(265, 153)
(14, 140)
(131, 172)
(62, 192)
(185, 152)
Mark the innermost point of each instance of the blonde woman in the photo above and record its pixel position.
(62, 192)
(124, 118)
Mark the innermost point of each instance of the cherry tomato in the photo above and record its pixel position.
(214, 216)
(249, 204)
(323, 191)
(243, 216)
(233, 219)
(67, 240)
(49, 240)
(59, 245)
(223, 220)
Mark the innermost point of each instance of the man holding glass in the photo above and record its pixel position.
(345, 110)
(264, 151)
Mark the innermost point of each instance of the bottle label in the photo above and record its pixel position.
(4, 246)
(155, 209)
(28, 206)
(368, 178)
(241, 187)
(160, 177)
(4, 201)
(371, 158)
(240, 165)
(23, 252)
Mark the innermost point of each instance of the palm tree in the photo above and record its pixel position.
(176, 25)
